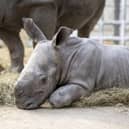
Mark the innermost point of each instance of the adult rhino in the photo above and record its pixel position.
(49, 15)
(65, 68)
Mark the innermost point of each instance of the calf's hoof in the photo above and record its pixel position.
(58, 101)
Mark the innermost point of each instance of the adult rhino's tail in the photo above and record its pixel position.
(33, 30)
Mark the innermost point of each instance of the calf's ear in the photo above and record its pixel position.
(33, 30)
(62, 34)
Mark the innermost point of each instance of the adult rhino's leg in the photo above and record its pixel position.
(64, 96)
(85, 30)
(45, 18)
(16, 49)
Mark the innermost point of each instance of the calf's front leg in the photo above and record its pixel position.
(66, 95)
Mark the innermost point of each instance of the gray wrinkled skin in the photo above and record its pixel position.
(67, 68)
(49, 15)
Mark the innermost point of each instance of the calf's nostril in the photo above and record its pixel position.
(21, 91)
(18, 91)
(28, 104)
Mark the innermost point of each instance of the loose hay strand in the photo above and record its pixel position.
(107, 97)
(7, 81)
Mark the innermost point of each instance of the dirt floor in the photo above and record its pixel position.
(72, 118)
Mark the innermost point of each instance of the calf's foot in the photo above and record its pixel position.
(66, 95)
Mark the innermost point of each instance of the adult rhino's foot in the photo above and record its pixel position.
(16, 63)
(17, 69)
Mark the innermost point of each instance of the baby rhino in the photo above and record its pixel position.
(66, 68)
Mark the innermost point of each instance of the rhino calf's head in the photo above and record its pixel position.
(40, 76)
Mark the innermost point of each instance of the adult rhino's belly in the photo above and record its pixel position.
(114, 68)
